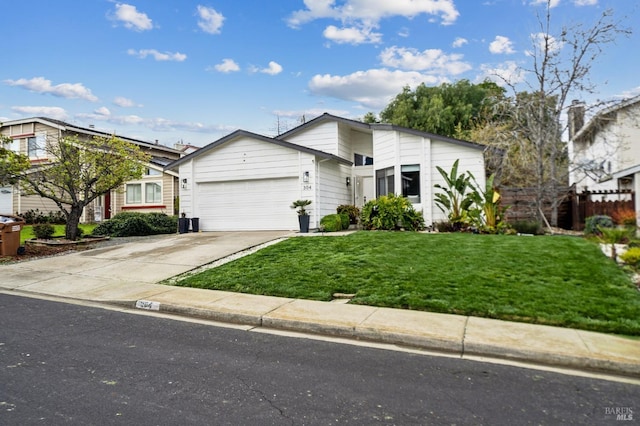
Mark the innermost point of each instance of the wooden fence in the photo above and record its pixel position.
(573, 209)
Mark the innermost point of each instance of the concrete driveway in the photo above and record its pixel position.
(144, 261)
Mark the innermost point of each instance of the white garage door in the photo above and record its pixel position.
(249, 205)
(6, 200)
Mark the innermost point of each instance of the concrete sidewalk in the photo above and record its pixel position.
(126, 275)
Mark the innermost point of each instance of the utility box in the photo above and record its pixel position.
(10, 227)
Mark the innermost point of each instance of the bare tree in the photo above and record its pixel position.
(561, 63)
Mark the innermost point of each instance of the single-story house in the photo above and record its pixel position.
(156, 191)
(246, 181)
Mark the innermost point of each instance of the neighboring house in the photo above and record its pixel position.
(605, 151)
(156, 191)
(246, 181)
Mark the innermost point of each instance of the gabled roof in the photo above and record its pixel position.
(602, 115)
(243, 133)
(66, 127)
(324, 118)
(358, 125)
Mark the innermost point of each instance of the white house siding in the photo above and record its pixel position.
(361, 143)
(444, 154)
(384, 148)
(323, 137)
(334, 190)
(247, 184)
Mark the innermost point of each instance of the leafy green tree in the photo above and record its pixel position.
(449, 109)
(79, 171)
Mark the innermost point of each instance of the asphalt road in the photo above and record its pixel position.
(70, 364)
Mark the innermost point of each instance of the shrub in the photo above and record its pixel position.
(43, 231)
(352, 211)
(631, 257)
(36, 216)
(391, 212)
(444, 226)
(624, 216)
(593, 224)
(345, 220)
(332, 223)
(527, 227)
(128, 224)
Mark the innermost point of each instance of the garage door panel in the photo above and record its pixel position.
(247, 205)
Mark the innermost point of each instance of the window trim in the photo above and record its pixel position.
(410, 168)
(143, 194)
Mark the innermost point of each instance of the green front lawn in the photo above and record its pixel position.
(562, 281)
(27, 231)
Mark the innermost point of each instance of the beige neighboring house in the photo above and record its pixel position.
(156, 191)
(606, 149)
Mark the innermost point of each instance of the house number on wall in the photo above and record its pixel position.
(306, 187)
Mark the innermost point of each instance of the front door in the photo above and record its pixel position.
(364, 190)
(107, 205)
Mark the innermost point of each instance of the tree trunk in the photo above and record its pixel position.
(73, 219)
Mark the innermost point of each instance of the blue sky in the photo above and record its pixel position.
(194, 71)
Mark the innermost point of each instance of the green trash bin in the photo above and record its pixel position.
(10, 227)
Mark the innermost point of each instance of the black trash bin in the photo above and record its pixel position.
(195, 224)
(183, 225)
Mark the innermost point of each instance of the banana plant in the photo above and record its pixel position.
(454, 200)
(487, 213)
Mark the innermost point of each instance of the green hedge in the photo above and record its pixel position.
(129, 224)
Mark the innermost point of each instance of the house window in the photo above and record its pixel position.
(150, 192)
(152, 172)
(411, 182)
(134, 193)
(14, 145)
(362, 160)
(36, 146)
(384, 181)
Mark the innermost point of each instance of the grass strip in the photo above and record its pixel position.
(554, 280)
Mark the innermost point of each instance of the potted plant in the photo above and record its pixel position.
(303, 216)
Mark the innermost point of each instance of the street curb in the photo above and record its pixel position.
(444, 346)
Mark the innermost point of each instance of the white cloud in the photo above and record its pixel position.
(585, 2)
(459, 42)
(351, 35)
(104, 111)
(273, 69)
(63, 90)
(501, 44)
(544, 42)
(210, 20)
(56, 113)
(158, 56)
(430, 60)
(372, 11)
(125, 102)
(227, 66)
(157, 124)
(129, 16)
(507, 73)
(372, 88)
(552, 3)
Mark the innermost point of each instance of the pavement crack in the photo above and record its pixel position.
(464, 337)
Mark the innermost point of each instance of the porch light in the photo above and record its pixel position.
(305, 177)
(348, 181)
